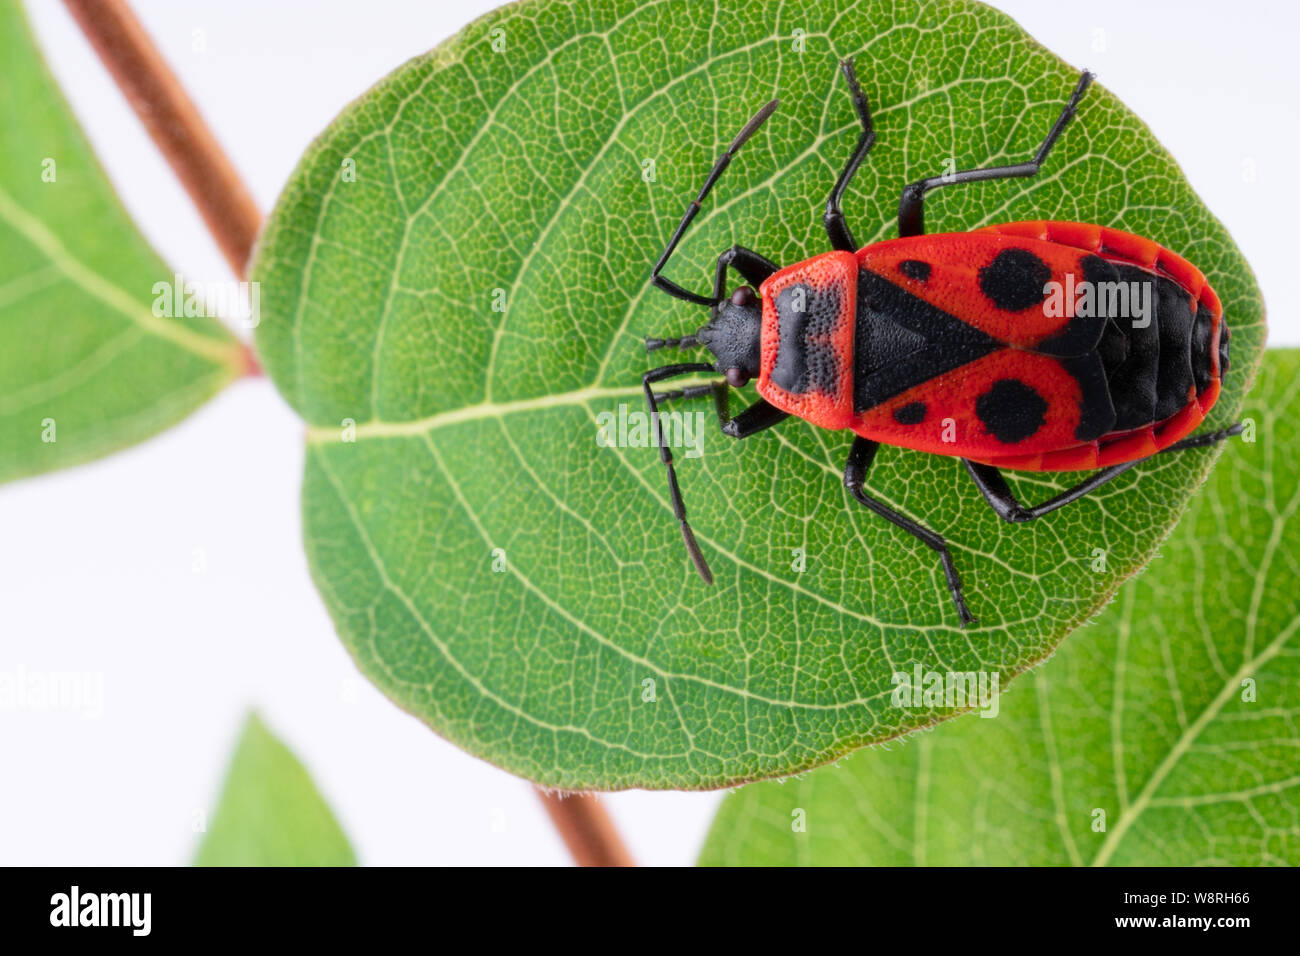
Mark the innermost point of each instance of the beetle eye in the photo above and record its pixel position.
(737, 378)
(743, 295)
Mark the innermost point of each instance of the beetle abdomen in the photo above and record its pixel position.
(1174, 358)
(1038, 345)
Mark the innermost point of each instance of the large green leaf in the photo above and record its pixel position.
(469, 171)
(270, 812)
(86, 366)
(1174, 715)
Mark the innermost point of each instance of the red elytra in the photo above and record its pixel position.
(1033, 346)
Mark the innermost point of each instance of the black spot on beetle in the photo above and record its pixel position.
(913, 413)
(1014, 280)
(915, 269)
(1011, 410)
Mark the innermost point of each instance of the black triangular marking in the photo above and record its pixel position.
(889, 343)
(901, 341)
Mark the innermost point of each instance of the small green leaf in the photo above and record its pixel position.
(1171, 721)
(536, 164)
(86, 368)
(270, 812)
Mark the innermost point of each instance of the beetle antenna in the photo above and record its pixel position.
(666, 456)
(685, 342)
(663, 282)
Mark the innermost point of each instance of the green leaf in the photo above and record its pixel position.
(1174, 716)
(270, 813)
(595, 658)
(86, 368)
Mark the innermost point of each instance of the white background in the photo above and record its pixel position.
(175, 569)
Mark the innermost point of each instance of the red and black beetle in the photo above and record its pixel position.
(944, 344)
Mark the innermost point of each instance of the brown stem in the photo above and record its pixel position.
(586, 828)
(234, 220)
(175, 125)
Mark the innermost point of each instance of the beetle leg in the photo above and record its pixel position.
(911, 213)
(754, 419)
(836, 227)
(1209, 438)
(991, 483)
(764, 416)
(855, 473)
(993, 486)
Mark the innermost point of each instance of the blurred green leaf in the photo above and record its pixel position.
(84, 360)
(270, 812)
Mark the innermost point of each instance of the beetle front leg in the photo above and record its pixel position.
(855, 476)
(754, 419)
(758, 417)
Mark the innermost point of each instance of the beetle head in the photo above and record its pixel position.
(732, 335)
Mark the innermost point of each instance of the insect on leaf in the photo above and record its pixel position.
(455, 293)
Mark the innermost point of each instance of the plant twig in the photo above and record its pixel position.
(586, 829)
(233, 219)
(175, 125)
